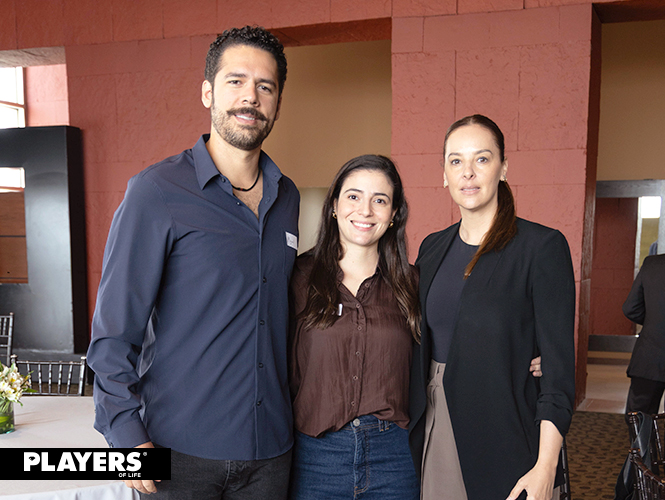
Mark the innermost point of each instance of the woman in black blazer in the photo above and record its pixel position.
(495, 291)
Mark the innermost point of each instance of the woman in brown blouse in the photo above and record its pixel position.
(355, 313)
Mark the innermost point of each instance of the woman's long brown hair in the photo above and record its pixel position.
(322, 292)
(503, 227)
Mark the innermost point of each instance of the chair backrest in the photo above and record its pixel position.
(564, 489)
(648, 485)
(6, 334)
(54, 378)
(657, 445)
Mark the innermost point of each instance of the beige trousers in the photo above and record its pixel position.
(441, 472)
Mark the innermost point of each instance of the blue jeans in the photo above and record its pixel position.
(367, 459)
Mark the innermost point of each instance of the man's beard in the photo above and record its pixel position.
(242, 137)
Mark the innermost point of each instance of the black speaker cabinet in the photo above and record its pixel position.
(51, 309)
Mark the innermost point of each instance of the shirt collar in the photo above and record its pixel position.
(206, 169)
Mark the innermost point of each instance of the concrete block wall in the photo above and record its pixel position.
(527, 69)
(134, 71)
(613, 264)
(530, 70)
(46, 97)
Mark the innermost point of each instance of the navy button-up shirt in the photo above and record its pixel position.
(189, 336)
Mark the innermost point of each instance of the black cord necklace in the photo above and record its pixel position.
(250, 187)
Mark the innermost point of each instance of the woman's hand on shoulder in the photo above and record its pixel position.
(536, 368)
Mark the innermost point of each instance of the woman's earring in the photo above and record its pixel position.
(334, 215)
(445, 183)
(392, 223)
(504, 178)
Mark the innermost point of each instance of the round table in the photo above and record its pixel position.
(58, 422)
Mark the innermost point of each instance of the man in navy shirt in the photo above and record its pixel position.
(190, 329)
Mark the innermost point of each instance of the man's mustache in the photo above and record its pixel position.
(248, 112)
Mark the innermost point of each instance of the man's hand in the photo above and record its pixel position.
(146, 486)
(535, 367)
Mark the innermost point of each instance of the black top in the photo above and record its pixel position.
(444, 296)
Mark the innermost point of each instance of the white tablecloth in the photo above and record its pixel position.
(58, 422)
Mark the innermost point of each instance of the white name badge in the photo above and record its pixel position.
(291, 240)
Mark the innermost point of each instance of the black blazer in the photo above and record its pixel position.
(517, 303)
(646, 305)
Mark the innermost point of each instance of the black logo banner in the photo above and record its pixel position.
(85, 463)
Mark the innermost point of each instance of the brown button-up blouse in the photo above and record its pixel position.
(358, 366)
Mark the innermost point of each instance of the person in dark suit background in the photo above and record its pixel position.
(495, 291)
(645, 305)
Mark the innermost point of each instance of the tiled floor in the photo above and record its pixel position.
(606, 389)
(607, 383)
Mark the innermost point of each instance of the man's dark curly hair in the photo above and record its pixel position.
(253, 36)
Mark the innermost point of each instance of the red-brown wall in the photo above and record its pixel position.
(46, 95)
(613, 265)
(134, 71)
(529, 70)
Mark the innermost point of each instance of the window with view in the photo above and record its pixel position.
(12, 102)
(13, 249)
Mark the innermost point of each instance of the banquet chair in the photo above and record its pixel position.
(648, 485)
(656, 449)
(6, 333)
(564, 489)
(54, 378)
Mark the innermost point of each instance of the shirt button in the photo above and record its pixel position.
(357, 306)
(238, 203)
(262, 322)
(260, 365)
(258, 403)
(366, 285)
(265, 280)
(353, 403)
(355, 377)
(356, 422)
(360, 327)
(357, 353)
